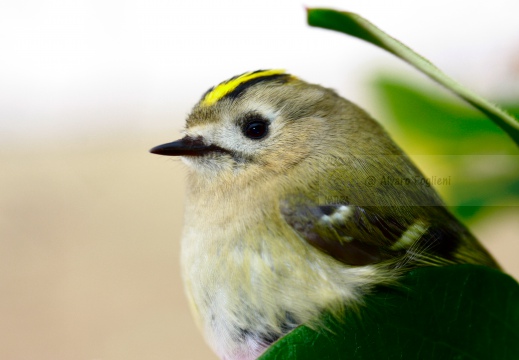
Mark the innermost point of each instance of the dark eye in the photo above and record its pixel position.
(256, 129)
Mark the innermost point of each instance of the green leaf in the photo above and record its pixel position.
(453, 312)
(459, 138)
(426, 114)
(355, 25)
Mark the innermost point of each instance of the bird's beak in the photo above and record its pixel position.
(187, 146)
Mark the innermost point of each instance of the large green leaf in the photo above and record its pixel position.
(355, 25)
(454, 312)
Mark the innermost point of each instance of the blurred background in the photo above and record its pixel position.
(90, 221)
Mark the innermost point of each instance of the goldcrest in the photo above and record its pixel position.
(298, 203)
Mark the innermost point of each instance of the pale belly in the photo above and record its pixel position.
(247, 292)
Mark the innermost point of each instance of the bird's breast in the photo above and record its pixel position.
(250, 277)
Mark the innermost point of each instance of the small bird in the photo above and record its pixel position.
(298, 203)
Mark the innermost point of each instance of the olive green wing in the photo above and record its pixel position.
(360, 236)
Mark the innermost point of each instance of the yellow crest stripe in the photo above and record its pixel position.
(226, 87)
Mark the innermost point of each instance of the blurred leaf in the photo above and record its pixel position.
(355, 25)
(470, 199)
(430, 115)
(454, 312)
(448, 127)
(430, 124)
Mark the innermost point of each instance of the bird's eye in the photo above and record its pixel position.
(256, 129)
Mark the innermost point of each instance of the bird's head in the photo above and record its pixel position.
(264, 122)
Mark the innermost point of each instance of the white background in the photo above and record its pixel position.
(72, 67)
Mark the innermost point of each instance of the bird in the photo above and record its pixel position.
(298, 203)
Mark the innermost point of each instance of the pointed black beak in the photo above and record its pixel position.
(186, 146)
